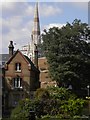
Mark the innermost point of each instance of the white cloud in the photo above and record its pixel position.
(13, 22)
(47, 27)
(19, 34)
(10, 9)
(29, 10)
(49, 10)
(17, 24)
(20, 37)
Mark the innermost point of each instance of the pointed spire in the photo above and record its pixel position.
(36, 26)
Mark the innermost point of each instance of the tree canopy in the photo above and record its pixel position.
(68, 53)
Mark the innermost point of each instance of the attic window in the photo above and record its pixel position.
(18, 66)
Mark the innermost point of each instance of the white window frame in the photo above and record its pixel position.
(18, 66)
(17, 82)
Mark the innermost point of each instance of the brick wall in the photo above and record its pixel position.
(44, 73)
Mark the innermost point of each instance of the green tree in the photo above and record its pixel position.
(61, 93)
(68, 54)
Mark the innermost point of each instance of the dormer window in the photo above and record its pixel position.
(18, 66)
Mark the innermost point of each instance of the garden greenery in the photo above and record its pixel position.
(53, 101)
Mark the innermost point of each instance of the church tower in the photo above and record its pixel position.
(35, 36)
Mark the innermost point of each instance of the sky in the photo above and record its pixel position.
(16, 18)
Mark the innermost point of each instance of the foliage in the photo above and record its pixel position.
(25, 106)
(61, 93)
(73, 107)
(68, 54)
(21, 111)
(52, 99)
(61, 102)
(41, 93)
(67, 103)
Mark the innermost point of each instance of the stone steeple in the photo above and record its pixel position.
(29, 50)
(36, 27)
(35, 36)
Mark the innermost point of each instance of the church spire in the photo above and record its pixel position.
(36, 27)
(35, 36)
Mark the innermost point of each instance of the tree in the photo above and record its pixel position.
(61, 93)
(68, 54)
(60, 102)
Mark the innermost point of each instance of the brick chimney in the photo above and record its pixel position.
(36, 56)
(11, 48)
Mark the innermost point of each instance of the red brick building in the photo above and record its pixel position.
(21, 77)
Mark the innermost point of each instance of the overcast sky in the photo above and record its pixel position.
(17, 19)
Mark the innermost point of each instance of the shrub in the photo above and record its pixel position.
(42, 93)
(22, 111)
(60, 93)
(51, 102)
(73, 107)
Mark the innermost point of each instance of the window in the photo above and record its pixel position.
(18, 66)
(17, 82)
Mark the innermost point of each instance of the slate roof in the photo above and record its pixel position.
(4, 57)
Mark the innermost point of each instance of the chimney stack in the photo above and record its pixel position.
(36, 56)
(11, 48)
